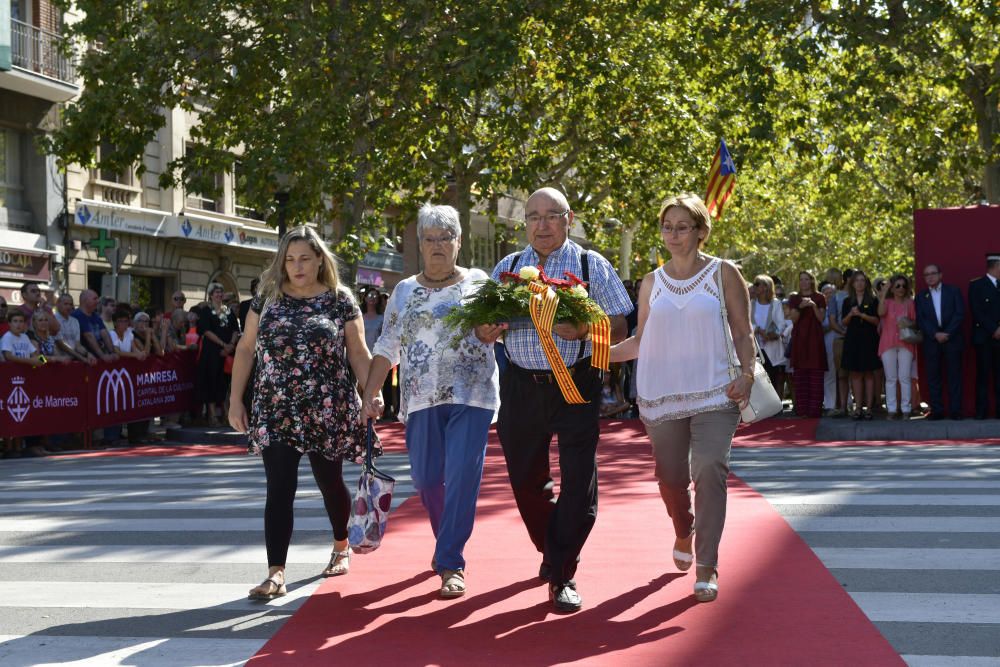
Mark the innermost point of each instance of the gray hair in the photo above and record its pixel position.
(438, 217)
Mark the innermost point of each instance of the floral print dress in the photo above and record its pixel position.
(306, 396)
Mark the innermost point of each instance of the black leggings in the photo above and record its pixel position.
(281, 465)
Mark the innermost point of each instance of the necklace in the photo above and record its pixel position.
(454, 272)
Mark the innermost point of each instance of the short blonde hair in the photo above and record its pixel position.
(695, 207)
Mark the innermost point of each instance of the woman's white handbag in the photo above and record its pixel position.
(764, 401)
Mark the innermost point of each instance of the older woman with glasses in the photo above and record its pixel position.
(897, 311)
(449, 389)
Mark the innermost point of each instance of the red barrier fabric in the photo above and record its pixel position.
(958, 240)
(58, 398)
(38, 401)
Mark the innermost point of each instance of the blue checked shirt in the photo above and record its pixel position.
(605, 288)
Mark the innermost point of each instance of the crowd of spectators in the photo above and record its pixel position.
(848, 346)
(103, 330)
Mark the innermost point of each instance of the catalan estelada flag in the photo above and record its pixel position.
(721, 181)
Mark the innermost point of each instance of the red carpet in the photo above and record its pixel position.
(777, 604)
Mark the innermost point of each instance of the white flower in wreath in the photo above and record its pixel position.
(223, 315)
(579, 290)
(529, 273)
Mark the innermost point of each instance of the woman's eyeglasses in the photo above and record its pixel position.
(899, 286)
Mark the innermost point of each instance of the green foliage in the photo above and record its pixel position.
(842, 117)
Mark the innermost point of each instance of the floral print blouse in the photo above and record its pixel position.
(438, 365)
(306, 396)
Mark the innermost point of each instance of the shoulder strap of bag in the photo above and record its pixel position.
(730, 352)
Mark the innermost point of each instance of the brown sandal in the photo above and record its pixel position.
(452, 583)
(270, 582)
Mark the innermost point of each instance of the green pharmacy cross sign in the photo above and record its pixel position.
(103, 242)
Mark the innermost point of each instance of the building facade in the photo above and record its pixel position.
(35, 77)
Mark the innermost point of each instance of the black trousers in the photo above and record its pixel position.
(281, 465)
(950, 356)
(532, 410)
(987, 363)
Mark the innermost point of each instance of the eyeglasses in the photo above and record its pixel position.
(551, 218)
(443, 240)
(899, 286)
(931, 273)
(180, 298)
(683, 230)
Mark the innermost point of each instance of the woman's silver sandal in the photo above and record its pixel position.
(340, 563)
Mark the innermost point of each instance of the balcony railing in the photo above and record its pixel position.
(38, 50)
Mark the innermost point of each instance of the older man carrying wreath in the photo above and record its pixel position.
(533, 397)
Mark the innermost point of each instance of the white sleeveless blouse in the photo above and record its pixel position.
(683, 366)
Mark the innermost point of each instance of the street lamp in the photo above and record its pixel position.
(281, 199)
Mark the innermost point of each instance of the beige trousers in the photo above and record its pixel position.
(696, 448)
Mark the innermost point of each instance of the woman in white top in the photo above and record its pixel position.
(449, 389)
(688, 397)
(768, 319)
(122, 335)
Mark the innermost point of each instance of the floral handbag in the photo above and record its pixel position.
(372, 502)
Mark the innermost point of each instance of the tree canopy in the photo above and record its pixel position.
(842, 117)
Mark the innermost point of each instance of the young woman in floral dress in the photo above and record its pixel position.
(304, 329)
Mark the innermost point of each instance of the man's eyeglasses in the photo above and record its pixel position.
(683, 230)
(443, 240)
(551, 218)
(931, 273)
(180, 298)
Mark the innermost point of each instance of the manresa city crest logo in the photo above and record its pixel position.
(18, 402)
(115, 391)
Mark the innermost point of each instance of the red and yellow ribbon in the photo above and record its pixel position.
(542, 307)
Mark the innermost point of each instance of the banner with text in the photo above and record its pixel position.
(60, 398)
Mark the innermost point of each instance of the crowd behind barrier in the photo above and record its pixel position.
(855, 356)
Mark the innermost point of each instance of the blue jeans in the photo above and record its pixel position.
(447, 446)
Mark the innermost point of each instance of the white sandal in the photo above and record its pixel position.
(683, 559)
(707, 591)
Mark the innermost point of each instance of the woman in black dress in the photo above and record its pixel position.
(860, 358)
(219, 332)
(304, 329)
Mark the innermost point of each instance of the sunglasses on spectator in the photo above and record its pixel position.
(899, 286)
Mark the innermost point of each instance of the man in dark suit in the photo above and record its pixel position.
(940, 311)
(984, 304)
(245, 305)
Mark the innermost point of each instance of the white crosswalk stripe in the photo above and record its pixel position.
(142, 560)
(912, 532)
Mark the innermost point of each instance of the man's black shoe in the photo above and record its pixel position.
(565, 598)
(956, 418)
(934, 417)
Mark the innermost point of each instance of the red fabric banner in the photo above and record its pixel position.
(130, 390)
(58, 398)
(37, 401)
